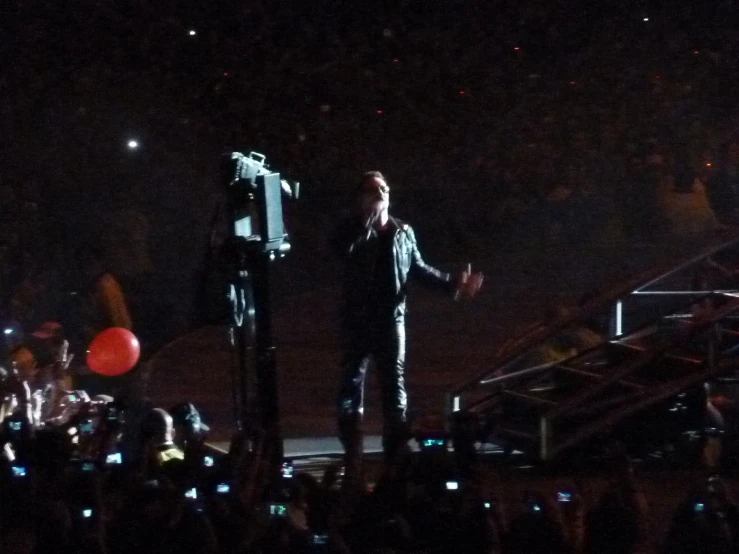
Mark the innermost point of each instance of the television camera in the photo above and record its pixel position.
(255, 202)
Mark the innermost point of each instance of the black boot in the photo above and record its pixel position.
(351, 437)
(395, 438)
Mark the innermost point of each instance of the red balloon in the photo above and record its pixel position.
(113, 352)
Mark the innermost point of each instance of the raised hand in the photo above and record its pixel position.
(468, 283)
(19, 386)
(64, 358)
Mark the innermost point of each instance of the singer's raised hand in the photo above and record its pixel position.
(468, 283)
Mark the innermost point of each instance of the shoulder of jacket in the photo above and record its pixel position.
(402, 225)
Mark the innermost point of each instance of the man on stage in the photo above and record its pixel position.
(380, 254)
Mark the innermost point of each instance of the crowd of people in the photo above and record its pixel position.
(514, 106)
(84, 473)
(71, 482)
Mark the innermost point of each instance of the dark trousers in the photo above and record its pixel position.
(384, 343)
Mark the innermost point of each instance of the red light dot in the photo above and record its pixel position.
(516, 48)
(696, 52)
(225, 74)
(379, 112)
(395, 60)
(461, 92)
(657, 77)
(572, 82)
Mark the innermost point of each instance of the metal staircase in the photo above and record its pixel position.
(665, 338)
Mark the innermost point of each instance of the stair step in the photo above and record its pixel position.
(596, 376)
(516, 432)
(637, 348)
(529, 398)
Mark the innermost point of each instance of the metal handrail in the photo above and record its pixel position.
(665, 391)
(542, 331)
(644, 358)
(695, 259)
(578, 315)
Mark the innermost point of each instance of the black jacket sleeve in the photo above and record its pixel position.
(424, 273)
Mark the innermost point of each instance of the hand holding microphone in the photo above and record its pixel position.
(372, 218)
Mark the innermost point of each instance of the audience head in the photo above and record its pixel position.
(188, 424)
(24, 360)
(157, 427)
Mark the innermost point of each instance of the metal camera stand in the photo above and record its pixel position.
(256, 238)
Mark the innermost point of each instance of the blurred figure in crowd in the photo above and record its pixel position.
(705, 521)
(618, 524)
(96, 303)
(188, 425)
(158, 429)
(98, 297)
(539, 529)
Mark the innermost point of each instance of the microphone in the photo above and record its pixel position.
(370, 223)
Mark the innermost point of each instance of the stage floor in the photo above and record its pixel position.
(315, 447)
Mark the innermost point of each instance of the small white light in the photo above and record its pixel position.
(8, 331)
(193, 32)
(72, 431)
(133, 145)
(646, 19)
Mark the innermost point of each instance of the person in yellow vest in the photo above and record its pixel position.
(158, 428)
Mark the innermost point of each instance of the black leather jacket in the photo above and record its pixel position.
(408, 262)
